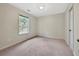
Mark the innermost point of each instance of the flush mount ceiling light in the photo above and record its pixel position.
(41, 7)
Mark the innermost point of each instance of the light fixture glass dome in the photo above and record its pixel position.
(41, 7)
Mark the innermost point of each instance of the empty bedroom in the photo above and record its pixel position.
(38, 29)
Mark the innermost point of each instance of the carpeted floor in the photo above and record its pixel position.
(39, 46)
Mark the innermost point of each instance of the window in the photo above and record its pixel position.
(23, 24)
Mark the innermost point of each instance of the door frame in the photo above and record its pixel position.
(70, 6)
(71, 10)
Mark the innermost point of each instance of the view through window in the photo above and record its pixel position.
(23, 24)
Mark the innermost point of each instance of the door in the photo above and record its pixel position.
(71, 28)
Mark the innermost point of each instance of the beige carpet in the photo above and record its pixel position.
(39, 46)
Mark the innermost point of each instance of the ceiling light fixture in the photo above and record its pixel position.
(41, 7)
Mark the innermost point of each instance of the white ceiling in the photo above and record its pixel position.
(49, 8)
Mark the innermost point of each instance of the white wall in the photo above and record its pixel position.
(9, 26)
(52, 26)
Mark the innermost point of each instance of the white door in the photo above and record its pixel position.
(71, 28)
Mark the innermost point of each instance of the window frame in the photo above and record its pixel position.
(28, 29)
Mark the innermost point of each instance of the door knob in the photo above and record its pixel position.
(77, 40)
(69, 29)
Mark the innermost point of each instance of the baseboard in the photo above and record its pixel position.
(9, 46)
(50, 37)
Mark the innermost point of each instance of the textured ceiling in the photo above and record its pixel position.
(49, 8)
